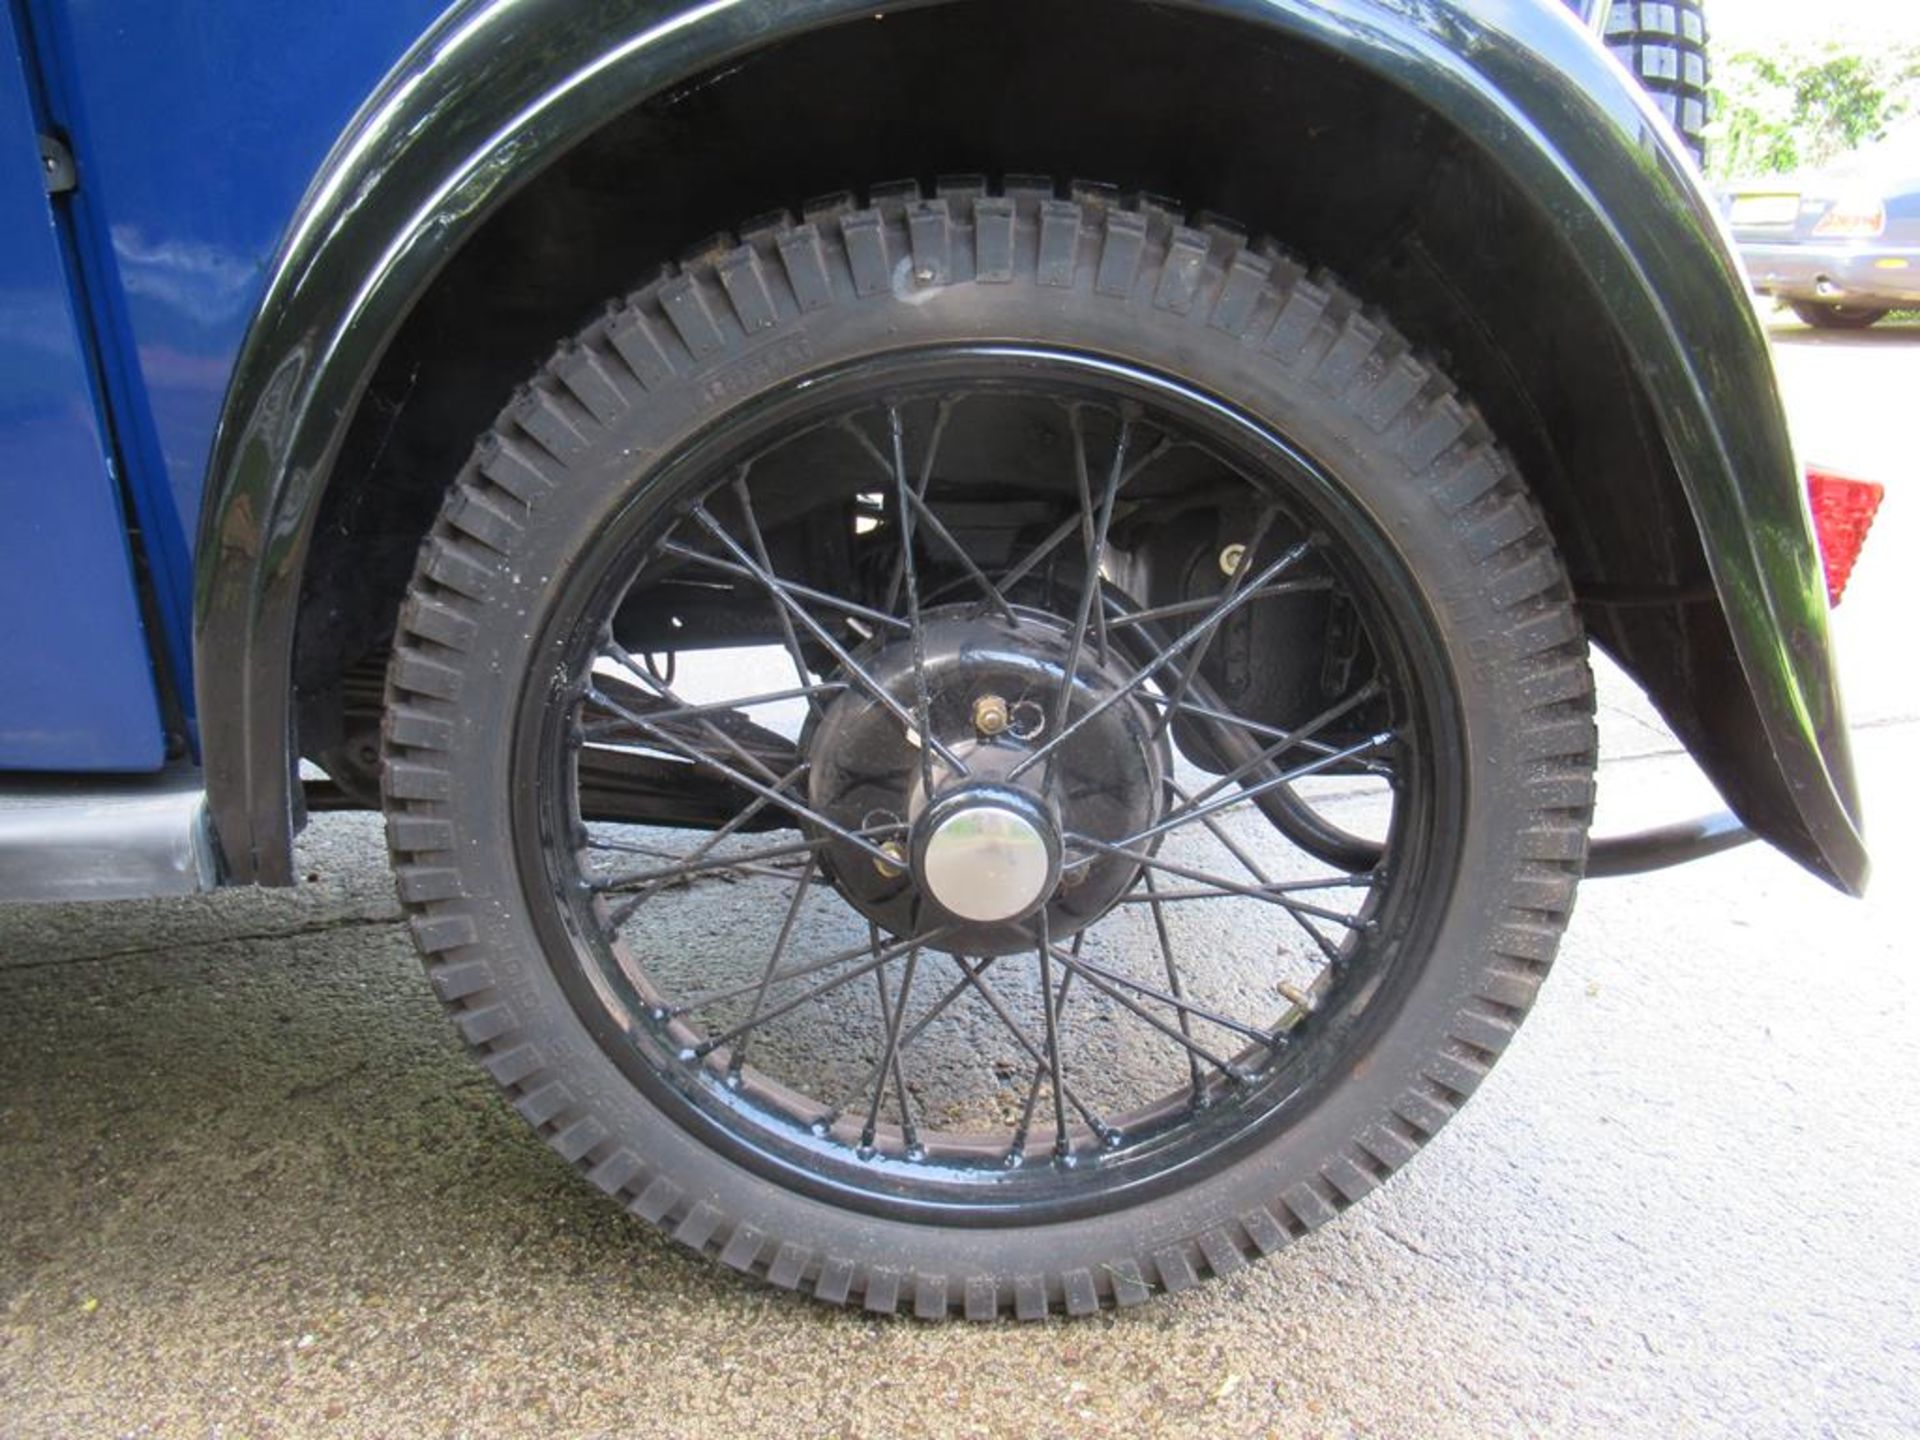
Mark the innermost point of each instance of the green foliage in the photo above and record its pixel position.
(1782, 112)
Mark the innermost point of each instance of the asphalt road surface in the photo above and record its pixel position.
(255, 1188)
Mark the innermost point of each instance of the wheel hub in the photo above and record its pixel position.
(983, 831)
(986, 854)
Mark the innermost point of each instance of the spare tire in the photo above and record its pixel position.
(1664, 44)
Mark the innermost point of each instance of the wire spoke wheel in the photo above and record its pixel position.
(1010, 950)
(987, 798)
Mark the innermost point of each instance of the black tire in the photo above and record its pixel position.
(1664, 44)
(1110, 278)
(1825, 315)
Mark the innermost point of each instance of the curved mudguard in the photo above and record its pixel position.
(501, 87)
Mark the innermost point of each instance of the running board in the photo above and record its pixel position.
(77, 838)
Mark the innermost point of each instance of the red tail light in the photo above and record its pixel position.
(1843, 511)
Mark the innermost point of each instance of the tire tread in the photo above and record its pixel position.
(1663, 44)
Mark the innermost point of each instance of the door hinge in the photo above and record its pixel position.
(56, 165)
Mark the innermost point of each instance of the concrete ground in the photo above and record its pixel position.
(256, 1188)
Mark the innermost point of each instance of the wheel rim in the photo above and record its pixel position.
(1095, 931)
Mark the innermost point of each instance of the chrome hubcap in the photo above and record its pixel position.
(988, 862)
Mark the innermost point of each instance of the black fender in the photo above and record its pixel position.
(499, 88)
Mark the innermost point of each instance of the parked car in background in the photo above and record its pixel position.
(1840, 244)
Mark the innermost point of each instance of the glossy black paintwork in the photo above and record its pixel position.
(502, 87)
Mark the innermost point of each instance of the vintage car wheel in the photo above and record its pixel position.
(1825, 315)
(966, 965)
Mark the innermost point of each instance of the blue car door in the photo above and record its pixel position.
(77, 688)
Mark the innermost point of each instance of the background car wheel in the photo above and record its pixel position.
(944, 581)
(1664, 44)
(1823, 315)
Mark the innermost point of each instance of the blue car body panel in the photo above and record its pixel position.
(76, 683)
(196, 128)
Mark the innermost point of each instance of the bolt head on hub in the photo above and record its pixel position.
(990, 715)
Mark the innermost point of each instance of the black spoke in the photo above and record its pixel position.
(616, 652)
(773, 792)
(890, 1058)
(891, 470)
(1043, 1055)
(1056, 1070)
(744, 497)
(938, 529)
(708, 998)
(866, 967)
(1041, 1070)
(912, 504)
(853, 667)
(1060, 533)
(1218, 882)
(793, 587)
(1236, 583)
(1197, 635)
(1194, 810)
(1298, 915)
(1297, 738)
(1119, 997)
(652, 883)
(668, 714)
(1094, 536)
(1173, 973)
(1153, 616)
(1185, 1007)
(909, 572)
(909, 1131)
(1234, 848)
(738, 1058)
(1282, 887)
(617, 885)
(1254, 727)
(907, 1036)
(694, 862)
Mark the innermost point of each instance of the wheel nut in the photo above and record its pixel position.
(896, 862)
(1230, 559)
(989, 714)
